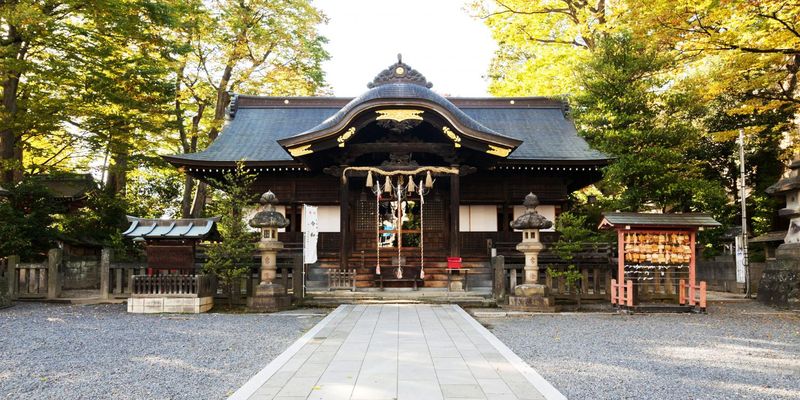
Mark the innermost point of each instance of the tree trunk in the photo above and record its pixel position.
(10, 154)
(116, 180)
(223, 97)
(186, 201)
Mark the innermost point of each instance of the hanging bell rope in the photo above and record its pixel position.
(378, 171)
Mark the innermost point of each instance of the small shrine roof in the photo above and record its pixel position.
(683, 220)
(187, 228)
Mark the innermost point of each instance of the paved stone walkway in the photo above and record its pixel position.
(397, 351)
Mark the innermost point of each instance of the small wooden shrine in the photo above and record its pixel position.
(171, 244)
(657, 260)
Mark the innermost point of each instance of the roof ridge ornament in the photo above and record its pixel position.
(399, 72)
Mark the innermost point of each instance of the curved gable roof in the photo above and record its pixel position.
(400, 94)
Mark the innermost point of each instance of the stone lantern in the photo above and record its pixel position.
(780, 281)
(531, 295)
(269, 295)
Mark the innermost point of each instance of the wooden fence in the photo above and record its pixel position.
(5, 291)
(171, 286)
(593, 261)
(289, 275)
(42, 280)
(33, 280)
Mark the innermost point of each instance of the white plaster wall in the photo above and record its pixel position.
(463, 218)
(328, 218)
(478, 218)
(548, 211)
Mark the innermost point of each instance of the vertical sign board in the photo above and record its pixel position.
(310, 234)
(740, 273)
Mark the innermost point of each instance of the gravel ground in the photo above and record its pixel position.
(737, 351)
(102, 352)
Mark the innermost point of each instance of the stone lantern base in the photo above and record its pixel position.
(269, 298)
(532, 297)
(780, 284)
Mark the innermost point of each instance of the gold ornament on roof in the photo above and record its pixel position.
(301, 150)
(498, 151)
(452, 135)
(399, 115)
(346, 136)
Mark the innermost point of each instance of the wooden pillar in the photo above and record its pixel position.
(344, 225)
(455, 202)
(53, 277)
(692, 272)
(105, 271)
(621, 266)
(499, 281)
(11, 273)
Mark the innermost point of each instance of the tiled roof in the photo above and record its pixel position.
(189, 228)
(401, 91)
(546, 133)
(617, 219)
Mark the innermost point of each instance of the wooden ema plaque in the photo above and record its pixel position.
(174, 256)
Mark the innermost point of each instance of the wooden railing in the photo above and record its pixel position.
(120, 278)
(31, 281)
(342, 279)
(171, 286)
(289, 275)
(593, 262)
(692, 295)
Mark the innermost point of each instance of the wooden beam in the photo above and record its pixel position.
(344, 225)
(455, 202)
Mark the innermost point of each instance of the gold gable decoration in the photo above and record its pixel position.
(452, 135)
(346, 136)
(301, 150)
(399, 115)
(498, 151)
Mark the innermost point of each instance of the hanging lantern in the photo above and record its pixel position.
(411, 187)
(387, 187)
(428, 180)
(369, 179)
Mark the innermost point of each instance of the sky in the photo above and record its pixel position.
(438, 38)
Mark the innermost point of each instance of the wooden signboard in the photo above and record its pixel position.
(176, 256)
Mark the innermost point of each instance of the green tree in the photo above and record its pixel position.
(573, 235)
(81, 78)
(717, 67)
(622, 112)
(263, 47)
(26, 218)
(231, 259)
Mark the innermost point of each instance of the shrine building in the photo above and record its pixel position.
(402, 175)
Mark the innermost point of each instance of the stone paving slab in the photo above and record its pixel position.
(397, 351)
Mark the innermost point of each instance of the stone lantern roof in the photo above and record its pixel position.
(531, 219)
(269, 217)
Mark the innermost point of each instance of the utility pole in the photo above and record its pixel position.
(743, 200)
